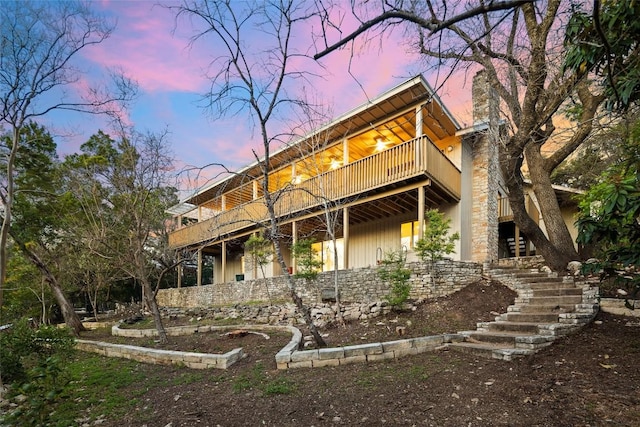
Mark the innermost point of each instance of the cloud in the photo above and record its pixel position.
(143, 46)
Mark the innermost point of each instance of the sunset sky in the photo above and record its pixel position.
(150, 48)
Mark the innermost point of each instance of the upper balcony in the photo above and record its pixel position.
(416, 158)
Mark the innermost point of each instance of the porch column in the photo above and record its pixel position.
(345, 151)
(179, 272)
(199, 278)
(255, 190)
(421, 202)
(199, 213)
(224, 261)
(419, 150)
(419, 121)
(294, 236)
(345, 236)
(223, 203)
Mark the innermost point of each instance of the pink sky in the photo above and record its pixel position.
(171, 77)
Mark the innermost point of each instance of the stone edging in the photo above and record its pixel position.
(170, 357)
(162, 357)
(289, 358)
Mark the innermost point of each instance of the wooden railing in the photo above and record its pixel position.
(506, 214)
(410, 159)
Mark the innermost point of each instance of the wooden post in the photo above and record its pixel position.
(179, 271)
(294, 236)
(224, 261)
(421, 202)
(345, 237)
(199, 278)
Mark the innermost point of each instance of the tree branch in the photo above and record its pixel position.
(433, 25)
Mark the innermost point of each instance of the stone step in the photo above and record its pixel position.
(556, 300)
(532, 317)
(501, 338)
(552, 285)
(541, 279)
(506, 339)
(557, 292)
(506, 326)
(547, 308)
(490, 351)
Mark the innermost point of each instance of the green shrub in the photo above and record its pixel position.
(307, 261)
(436, 241)
(31, 362)
(393, 271)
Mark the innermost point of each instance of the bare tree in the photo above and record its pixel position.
(314, 148)
(521, 50)
(39, 41)
(256, 79)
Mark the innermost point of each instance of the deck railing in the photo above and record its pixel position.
(506, 214)
(410, 159)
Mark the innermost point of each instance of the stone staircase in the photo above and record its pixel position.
(547, 307)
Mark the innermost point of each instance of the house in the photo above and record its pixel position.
(375, 169)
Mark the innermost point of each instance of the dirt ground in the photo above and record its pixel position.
(590, 378)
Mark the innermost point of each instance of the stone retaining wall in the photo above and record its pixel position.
(360, 285)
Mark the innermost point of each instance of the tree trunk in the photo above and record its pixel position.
(68, 313)
(149, 295)
(302, 308)
(511, 164)
(557, 229)
(155, 311)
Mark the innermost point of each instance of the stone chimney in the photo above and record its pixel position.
(485, 171)
(485, 100)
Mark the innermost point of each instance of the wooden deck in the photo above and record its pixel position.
(416, 158)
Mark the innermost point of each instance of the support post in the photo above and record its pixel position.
(224, 262)
(199, 278)
(345, 237)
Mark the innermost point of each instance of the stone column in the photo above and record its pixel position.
(486, 171)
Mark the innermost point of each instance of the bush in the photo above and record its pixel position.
(436, 241)
(31, 362)
(393, 271)
(307, 260)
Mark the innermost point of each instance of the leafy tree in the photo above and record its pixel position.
(392, 270)
(122, 191)
(26, 292)
(610, 218)
(436, 241)
(37, 210)
(38, 43)
(308, 262)
(607, 41)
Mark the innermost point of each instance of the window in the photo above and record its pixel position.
(325, 252)
(409, 234)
